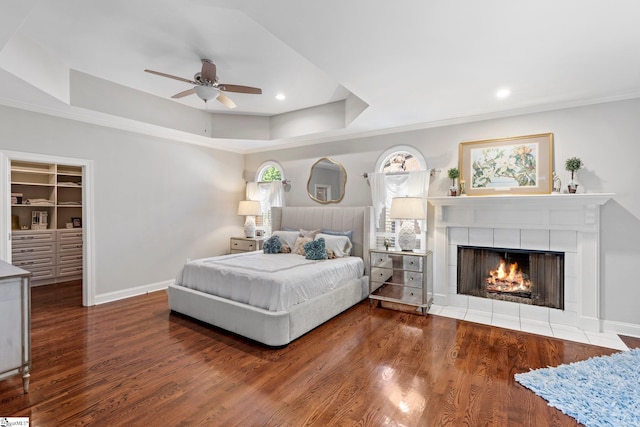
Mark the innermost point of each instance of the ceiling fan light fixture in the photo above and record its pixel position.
(206, 93)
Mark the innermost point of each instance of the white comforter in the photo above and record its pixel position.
(271, 281)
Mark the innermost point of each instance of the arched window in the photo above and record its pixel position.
(263, 190)
(270, 171)
(401, 158)
(396, 163)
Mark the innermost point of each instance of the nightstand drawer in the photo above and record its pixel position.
(379, 274)
(412, 263)
(381, 260)
(243, 245)
(239, 244)
(396, 260)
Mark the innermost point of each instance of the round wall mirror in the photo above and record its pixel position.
(326, 181)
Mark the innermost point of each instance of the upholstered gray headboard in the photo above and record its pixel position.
(359, 219)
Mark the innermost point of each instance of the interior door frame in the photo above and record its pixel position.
(88, 255)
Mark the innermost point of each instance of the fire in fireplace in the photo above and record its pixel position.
(513, 281)
(522, 276)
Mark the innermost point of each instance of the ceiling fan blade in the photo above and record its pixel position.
(208, 72)
(240, 89)
(184, 93)
(171, 77)
(226, 100)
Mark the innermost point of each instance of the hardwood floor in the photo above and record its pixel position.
(134, 363)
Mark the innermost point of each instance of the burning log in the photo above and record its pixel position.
(508, 280)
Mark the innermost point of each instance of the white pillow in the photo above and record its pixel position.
(287, 237)
(340, 245)
(309, 233)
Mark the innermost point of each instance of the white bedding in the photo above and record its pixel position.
(271, 281)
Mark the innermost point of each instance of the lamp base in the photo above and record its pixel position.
(250, 227)
(407, 236)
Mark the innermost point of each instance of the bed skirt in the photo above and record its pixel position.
(272, 328)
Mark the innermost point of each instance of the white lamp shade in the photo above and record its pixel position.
(407, 208)
(249, 207)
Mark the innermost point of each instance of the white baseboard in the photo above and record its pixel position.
(629, 329)
(132, 292)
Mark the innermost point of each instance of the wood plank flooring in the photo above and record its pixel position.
(134, 363)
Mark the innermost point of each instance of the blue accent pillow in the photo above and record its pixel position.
(289, 229)
(349, 233)
(315, 249)
(272, 245)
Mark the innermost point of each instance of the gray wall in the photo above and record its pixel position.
(156, 202)
(605, 136)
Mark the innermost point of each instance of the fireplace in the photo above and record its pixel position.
(533, 277)
(567, 223)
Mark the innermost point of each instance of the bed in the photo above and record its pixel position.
(275, 322)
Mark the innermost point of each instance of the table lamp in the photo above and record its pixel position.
(250, 208)
(407, 209)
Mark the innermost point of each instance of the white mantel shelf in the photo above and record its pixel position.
(530, 199)
(543, 211)
(560, 222)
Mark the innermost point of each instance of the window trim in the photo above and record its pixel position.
(265, 165)
(404, 149)
(391, 231)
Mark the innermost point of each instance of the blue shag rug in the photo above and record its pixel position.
(601, 391)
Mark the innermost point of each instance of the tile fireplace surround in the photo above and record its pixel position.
(568, 223)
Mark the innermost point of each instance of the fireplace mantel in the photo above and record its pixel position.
(566, 222)
(549, 211)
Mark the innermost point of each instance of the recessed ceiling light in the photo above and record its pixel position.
(280, 97)
(503, 93)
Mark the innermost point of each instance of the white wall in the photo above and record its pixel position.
(604, 136)
(156, 202)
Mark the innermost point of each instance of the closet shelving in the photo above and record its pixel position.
(52, 251)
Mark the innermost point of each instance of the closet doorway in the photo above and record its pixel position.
(48, 218)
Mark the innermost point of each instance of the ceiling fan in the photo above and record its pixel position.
(207, 87)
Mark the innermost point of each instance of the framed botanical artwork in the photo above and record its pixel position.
(516, 165)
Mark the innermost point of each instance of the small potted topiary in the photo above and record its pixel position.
(453, 175)
(572, 165)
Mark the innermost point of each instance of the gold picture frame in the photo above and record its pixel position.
(515, 165)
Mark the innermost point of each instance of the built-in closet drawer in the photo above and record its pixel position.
(21, 238)
(31, 262)
(38, 248)
(69, 270)
(73, 235)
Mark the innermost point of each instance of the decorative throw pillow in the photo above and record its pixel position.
(349, 233)
(285, 249)
(298, 248)
(309, 233)
(315, 249)
(288, 237)
(272, 245)
(340, 245)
